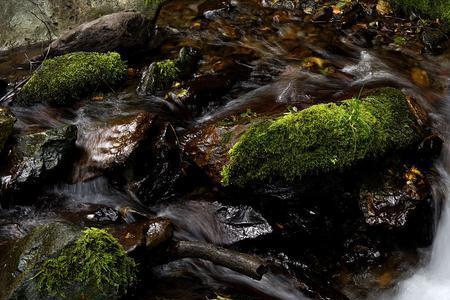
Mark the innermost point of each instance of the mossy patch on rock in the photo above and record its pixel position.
(7, 121)
(95, 266)
(432, 8)
(162, 74)
(65, 79)
(322, 138)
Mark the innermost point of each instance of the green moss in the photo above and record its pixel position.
(322, 138)
(165, 73)
(65, 79)
(7, 121)
(432, 8)
(95, 264)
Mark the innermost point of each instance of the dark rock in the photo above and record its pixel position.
(7, 121)
(323, 15)
(3, 87)
(117, 144)
(435, 40)
(213, 9)
(282, 4)
(391, 200)
(130, 236)
(124, 32)
(159, 170)
(208, 87)
(162, 74)
(104, 215)
(242, 223)
(360, 250)
(37, 158)
(18, 264)
(159, 231)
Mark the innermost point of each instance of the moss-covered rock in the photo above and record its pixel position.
(19, 263)
(59, 261)
(322, 138)
(432, 8)
(7, 121)
(95, 266)
(162, 74)
(65, 79)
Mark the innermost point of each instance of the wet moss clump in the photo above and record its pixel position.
(95, 266)
(322, 138)
(65, 79)
(432, 8)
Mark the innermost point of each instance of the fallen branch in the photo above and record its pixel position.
(248, 265)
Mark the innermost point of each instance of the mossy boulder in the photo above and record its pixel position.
(60, 261)
(432, 8)
(321, 139)
(161, 75)
(65, 79)
(95, 266)
(19, 263)
(7, 121)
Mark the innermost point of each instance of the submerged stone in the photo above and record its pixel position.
(321, 139)
(37, 158)
(7, 121)
(65, 79)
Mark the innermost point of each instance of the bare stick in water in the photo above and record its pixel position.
(248, 265)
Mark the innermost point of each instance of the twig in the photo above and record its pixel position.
(249, 265)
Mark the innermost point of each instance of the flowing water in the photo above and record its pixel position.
(275, 83)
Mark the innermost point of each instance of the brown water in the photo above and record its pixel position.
(265, 49)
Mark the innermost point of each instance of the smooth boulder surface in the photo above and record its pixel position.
(119, 141)
(123, 32)
(37, 158)
(31, 22)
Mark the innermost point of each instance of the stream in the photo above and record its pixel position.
(264, 57)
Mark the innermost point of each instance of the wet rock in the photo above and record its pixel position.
(213, 9)
(360, 250)
(392, 201)
(208, 87)
(323, 15)
(282, 4)
(3, 87)
(123, 32)
(435, 40)
(117, 144)
(208, 147)
(242, 223)
(160, 170)
(159, 231)
(131, 236)
(104, 215)
(37, 158)
(7, 121)
(18, 264)
(161, 75)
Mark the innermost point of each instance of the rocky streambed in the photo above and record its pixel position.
(223, 150)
